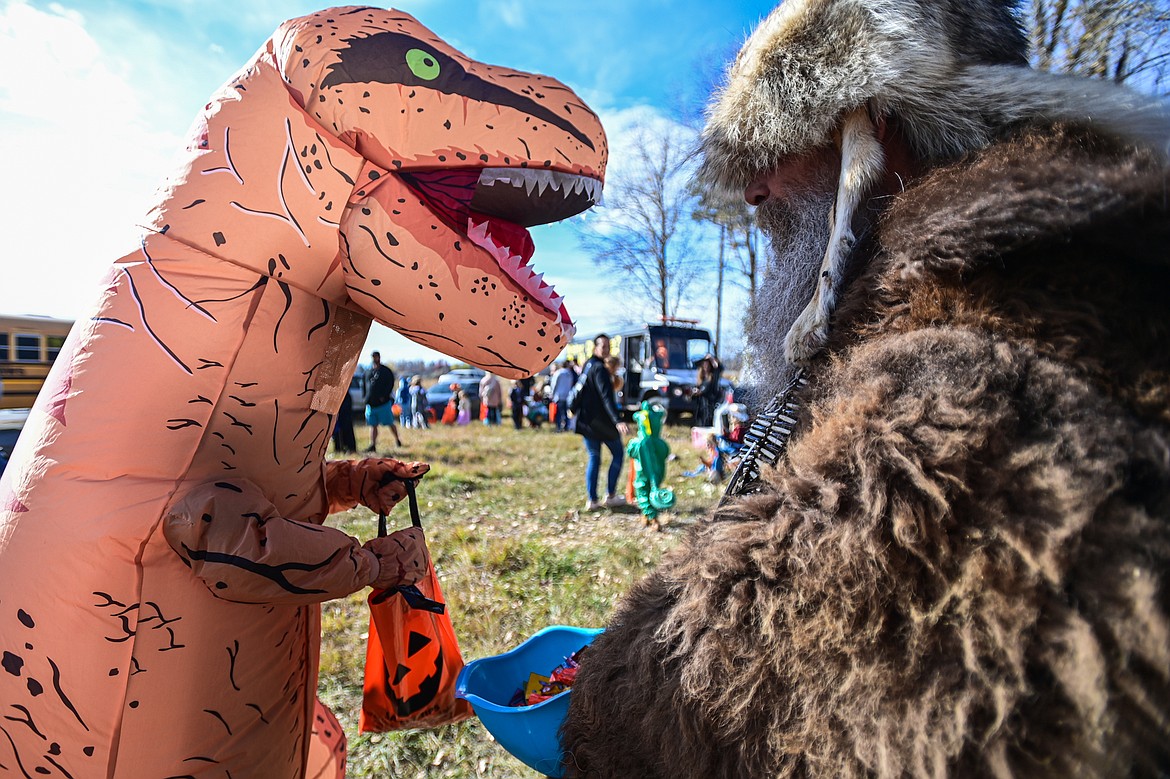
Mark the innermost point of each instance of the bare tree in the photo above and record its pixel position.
(738, 233)
(1117, 40)
(744, 241)
(643, 233)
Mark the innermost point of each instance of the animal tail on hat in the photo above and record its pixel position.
(862, 165)
(1010, 95)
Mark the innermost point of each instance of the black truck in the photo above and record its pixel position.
(659, 361)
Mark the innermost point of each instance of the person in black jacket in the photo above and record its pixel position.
(379, 385)
(344, 441)
(598, 423)
(707, 393)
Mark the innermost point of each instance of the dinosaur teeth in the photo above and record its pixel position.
(477, 232)
(516, 268)
(541, 181)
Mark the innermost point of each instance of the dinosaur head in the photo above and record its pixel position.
(461, 158)
(650, 419)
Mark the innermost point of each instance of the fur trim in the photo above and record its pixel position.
(1061, 187)
(953, 71)
(963, 564)
(946, 583)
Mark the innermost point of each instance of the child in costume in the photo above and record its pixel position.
(161, 579)
(648, 454)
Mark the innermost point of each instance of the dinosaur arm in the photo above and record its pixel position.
(377, 483)
(235, 541)
(661, 452)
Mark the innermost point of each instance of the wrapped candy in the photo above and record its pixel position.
(541, 688)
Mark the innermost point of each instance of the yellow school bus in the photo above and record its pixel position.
(28, 346)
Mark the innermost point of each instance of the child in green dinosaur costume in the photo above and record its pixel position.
(648, 453)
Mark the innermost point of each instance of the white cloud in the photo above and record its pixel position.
(82, 160)
(511, 13)
(56, 70)
(625, 129)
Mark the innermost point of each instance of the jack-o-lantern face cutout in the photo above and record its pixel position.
(416, 680)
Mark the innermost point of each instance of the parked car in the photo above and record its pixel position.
(357, 391)
(467, 379)
(11, 422)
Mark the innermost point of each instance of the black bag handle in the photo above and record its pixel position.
(412, 499)
(414, 597)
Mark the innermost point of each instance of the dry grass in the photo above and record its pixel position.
(516, 552)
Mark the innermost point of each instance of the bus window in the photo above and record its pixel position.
(53, 344)
(28, 347)
(24, 358)
(635, 345)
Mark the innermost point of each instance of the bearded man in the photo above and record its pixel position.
(959, 566)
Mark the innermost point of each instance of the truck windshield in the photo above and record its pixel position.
(675, 351)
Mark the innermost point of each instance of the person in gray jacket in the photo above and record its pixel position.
(491, 395)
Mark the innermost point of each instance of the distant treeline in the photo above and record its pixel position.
(428, 370)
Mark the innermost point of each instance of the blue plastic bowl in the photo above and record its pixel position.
(528, 732)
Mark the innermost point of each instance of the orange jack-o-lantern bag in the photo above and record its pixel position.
(412, 657)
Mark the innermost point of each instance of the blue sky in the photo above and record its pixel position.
(99, 95)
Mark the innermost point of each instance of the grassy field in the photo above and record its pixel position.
(516, 552)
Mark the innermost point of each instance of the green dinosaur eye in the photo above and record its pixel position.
(422, 64)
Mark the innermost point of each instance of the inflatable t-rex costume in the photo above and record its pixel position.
(161, 552)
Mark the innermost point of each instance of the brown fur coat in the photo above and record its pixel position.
(962, 568)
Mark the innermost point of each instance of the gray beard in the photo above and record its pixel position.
(798, 232)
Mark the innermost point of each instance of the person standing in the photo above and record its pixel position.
(521, 390)
(462, 408)
(380, 400)
(403, 401)
(707, 390)
(344, 441)
(491, 395)
(418, 403)
(516, 397)
(598, 423)
(562, 384)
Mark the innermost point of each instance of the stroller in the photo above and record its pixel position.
(724, 443)
(537, 412)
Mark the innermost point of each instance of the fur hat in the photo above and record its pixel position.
(954, 72)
